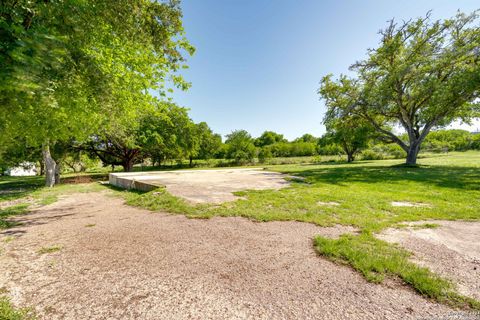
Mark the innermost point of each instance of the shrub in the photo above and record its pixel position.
(371, 154)
(395, 151)
(264, 154)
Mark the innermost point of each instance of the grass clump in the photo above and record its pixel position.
(376, 259)
(8, 312)
(158, 200)
(8, 239)
(51, 249)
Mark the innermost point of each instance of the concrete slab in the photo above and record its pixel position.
(201, 186)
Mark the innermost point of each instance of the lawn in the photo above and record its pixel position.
(358, 194)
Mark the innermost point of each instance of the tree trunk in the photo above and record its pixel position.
(127, 165)
(191, 162)
(57, 173)
(42, 167)
(412, 154)
(350, 157)
(50, 165)
(349, 151)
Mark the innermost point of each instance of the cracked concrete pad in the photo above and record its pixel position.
(202, 186)
(135, 264)
(451, 250)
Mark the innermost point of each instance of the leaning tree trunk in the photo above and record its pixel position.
(50, 165)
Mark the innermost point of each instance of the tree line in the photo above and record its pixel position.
(157, 140)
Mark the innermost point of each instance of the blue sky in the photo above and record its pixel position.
(259, 62)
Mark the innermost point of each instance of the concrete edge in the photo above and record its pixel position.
(129, 184)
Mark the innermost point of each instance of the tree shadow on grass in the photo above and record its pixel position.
(16, 220)
(18, 187)
(466, 178)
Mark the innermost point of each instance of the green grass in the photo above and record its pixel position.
(51, 249)
(8, 312)
(8, 212)
(449, 184)
(375, 259)
(364, 191)
(12, 188)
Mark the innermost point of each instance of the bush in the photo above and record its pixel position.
(239, 146)
(330, 150)
(395, 151)
(448, 140)
(371, 154)
(475, 142)
(264, 154)
(293, 149)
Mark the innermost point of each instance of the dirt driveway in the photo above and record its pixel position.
(119, 262)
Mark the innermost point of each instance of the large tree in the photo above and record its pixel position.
(424, 74)
(268, 138)
(239, 144)
(351, 134)
(164, 132)
(209, 142)
(69, 66)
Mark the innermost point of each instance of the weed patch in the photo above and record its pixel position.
(8, 312)
(52, 249)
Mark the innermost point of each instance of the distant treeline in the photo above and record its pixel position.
(238, 148)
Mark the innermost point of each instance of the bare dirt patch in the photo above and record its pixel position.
(452, 249)
(135, 264)
(410, 204)
(328, 204)
(213, 186)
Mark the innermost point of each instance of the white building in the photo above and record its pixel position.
(22, 170)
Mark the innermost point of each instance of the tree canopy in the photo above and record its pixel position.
(69, 66)
(268, 138)
(240, 146)
(424, 74)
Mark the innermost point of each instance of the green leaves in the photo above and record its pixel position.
(73, 66)
(424, 74)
